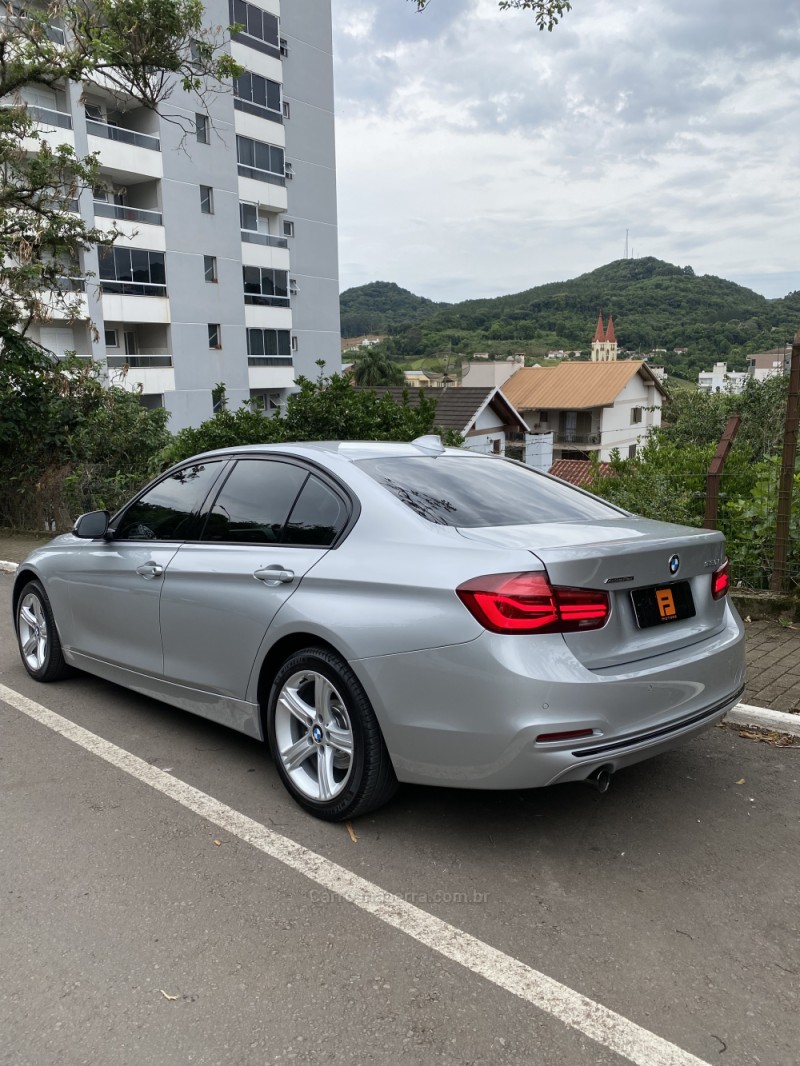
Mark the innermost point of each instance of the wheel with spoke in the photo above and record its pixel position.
(325, 739)
(37, 636)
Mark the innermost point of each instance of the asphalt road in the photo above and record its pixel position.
(672, 900)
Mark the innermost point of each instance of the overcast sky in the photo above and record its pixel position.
(477, 156)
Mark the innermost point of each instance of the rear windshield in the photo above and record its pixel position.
(469, 492)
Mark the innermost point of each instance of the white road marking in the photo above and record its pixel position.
(602, 1025)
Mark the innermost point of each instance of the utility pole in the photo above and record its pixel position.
(786, 483)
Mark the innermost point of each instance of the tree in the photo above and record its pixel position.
(325, 409)
(374, 368)
(67, 443)
(548, 13)
(141, 50)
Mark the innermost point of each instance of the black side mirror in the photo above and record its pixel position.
(91, 526)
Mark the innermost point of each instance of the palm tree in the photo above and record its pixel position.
(374, 368)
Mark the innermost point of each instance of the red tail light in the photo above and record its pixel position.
(721, 581)
(528, 603)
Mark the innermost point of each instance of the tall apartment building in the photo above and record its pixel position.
(227, 269)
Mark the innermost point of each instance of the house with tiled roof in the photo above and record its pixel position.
(483, 416)
(589, 407)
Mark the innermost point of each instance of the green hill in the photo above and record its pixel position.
(381, 306)
(656, 305)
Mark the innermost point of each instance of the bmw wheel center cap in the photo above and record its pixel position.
(316, 733)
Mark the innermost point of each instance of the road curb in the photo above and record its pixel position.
(742, 713)
(764, 718)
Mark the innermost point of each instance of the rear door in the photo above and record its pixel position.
(271, 522)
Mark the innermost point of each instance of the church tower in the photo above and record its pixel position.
(604, 345)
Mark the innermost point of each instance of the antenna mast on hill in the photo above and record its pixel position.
(626, 243)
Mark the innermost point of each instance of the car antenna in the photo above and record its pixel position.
(430, 444)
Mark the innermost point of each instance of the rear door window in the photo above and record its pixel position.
(254, 503)
(318, 517)
(470, 491)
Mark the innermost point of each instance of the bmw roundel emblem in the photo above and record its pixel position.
(674, 564)
(316, 733)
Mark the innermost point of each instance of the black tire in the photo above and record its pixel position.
(326, 781)
(34, 621)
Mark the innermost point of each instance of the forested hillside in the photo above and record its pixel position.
(656, 305)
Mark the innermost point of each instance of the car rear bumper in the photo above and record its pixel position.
(470, 714)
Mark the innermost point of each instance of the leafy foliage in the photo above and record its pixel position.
(667, 480)
(547, 13)
(325, 409)
(67, 443)
(142, 50)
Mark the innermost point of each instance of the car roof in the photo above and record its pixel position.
(350, 450)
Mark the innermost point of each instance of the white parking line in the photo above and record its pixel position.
(620, 1035)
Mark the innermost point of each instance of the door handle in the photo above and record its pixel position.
(274, 575)
(150, 570)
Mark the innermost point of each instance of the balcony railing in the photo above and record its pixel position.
(145, 360)
(132, 288)
(580, 439)
(103, 209)
(117, 133)
(250, 237)
(47, 117)
(269, 360)
(261, 175)
(67, 284)
(266, 301)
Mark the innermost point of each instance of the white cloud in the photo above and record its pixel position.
(478, 156)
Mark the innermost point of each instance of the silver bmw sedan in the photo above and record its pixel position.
(384, 612)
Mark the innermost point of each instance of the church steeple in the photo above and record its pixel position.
(604, 345)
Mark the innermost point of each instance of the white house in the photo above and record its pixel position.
(589, 407)
(720, 379)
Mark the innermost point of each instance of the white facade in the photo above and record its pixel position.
(490, 375)
(624, 426)
(720, 379)
(227, 268)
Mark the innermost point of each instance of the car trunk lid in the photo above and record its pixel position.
(659, 562)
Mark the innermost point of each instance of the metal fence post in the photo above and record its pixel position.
(786, 484)
(716, 468)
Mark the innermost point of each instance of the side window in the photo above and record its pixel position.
(167, 511)
(318, 516)
(254, 502)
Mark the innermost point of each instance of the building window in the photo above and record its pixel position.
(202, 129)
(265, 286)
(288, 228)
(132, 271)
(214, 335)
(287, 111)
(631, 451)
(206, 200)
(269, 342)
(264, 162)
(112, 338)
(544, 416)
(294, 343)
(260, 26)
(496, 447)
(284, 47)
(293, 290)
(289, 171)
(636, 416)
(258, 96)
(210, 267)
